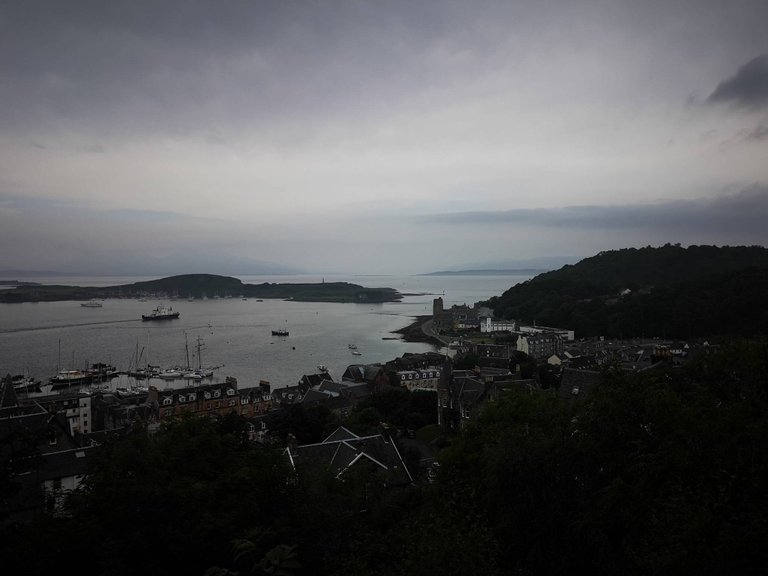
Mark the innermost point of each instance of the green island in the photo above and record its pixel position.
(202, 286)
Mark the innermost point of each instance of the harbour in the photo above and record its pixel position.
(40, 339)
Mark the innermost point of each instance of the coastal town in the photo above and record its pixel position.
(481, 358)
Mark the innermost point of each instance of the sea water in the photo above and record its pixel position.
(233, 335)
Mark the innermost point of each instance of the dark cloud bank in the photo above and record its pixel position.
(741, 216)
(748, 88)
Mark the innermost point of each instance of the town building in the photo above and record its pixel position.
(45, 459)
(490, 325)
(540, 346)
(458, 317)
(372, 374)
(466, 391)
(211, 399)
(565, 334)
(343, 451)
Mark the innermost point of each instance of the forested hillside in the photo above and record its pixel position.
(668, 292)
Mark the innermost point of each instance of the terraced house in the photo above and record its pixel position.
(213, 399)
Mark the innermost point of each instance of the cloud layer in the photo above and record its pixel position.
(327, 134)
(748, 88)
(742, 216)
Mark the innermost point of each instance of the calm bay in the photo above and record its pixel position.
(235, 335)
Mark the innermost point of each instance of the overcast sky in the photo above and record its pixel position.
(377, 136)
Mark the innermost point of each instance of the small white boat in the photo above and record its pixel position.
(356, 353)
(91, 304)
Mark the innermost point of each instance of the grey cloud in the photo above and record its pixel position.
(748, 88)
(759, 133)
(743, 214)
(186, 66)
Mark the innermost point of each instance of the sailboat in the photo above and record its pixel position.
(68, 378)
(198, 373)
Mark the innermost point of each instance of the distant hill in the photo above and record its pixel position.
(206, 285)
(668, 291)
(538, 263)
(517, 272)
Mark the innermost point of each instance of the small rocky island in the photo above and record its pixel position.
(205, 286)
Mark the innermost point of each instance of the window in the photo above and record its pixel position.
(217, 393)
(207, 395)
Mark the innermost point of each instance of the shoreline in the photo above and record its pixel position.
(414, 332)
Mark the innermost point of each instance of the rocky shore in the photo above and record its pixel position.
(415, 332)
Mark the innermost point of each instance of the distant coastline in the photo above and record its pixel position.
(201, 286)
(488, 272)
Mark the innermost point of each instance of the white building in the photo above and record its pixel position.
(567, 335)
(488, 324)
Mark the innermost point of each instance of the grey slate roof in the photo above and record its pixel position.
(343, 449)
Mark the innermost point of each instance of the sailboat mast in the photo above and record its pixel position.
(186, 346)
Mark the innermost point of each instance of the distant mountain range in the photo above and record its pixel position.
(541, 263)
(489, 272)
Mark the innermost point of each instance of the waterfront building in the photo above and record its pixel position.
(458, 317)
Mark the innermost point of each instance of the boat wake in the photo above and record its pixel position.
(58, 326)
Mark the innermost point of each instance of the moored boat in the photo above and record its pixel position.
(101, 371)
(279, 332)
(91, 304)
(23, 383)
(67, 378)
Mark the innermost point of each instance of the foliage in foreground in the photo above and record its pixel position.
(664, 472)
